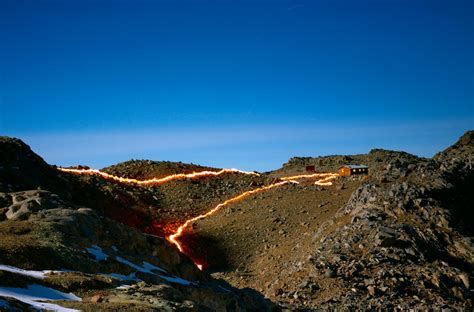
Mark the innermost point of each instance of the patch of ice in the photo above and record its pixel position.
(130, 277)
(148, 266)
(97, 252)
(177, 280)
(30, 273)
(34, 294)
(131, 264)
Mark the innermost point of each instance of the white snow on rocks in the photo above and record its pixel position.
(121, 277)
(30, 273)
(145, 268)
(34, 294)
(176, 280)
(148, 267)
(97, 252)
(131, 264)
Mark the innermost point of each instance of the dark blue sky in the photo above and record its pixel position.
(234, 83)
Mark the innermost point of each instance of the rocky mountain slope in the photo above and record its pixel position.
(148, 169)
(51, 221)
(400, 237)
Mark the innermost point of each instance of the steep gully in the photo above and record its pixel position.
(321, 179)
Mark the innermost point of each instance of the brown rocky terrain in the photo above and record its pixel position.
(55, 221)
(399, 238)
(148, 169)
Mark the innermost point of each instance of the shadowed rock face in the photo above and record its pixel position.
(21, 169)
(399, 238)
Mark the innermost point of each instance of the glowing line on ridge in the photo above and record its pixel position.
(155, 181)
(309, 176)
(173, 237)
(325, 181)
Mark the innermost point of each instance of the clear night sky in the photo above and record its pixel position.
(243, 84)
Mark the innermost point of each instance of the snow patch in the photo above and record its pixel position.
(123, 287)
(121, 277)
(177, 280)
(97, 252)
(132, 265)
(30, 273)
(34, 294)
(148, 266)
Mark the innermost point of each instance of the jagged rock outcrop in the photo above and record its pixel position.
(374, 159)
(403, 240)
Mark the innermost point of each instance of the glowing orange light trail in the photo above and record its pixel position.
(155, 181)
(309, 176)
(173, 238)
(325, 180)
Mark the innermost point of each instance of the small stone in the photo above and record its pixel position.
(465, 280)
(457, 292)
(303, 284)
(97, 298)
(372, 290)
(330, 273)
(188, 303)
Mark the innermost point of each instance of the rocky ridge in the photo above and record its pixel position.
(404, 238)
(148, 169)
(399, 238)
